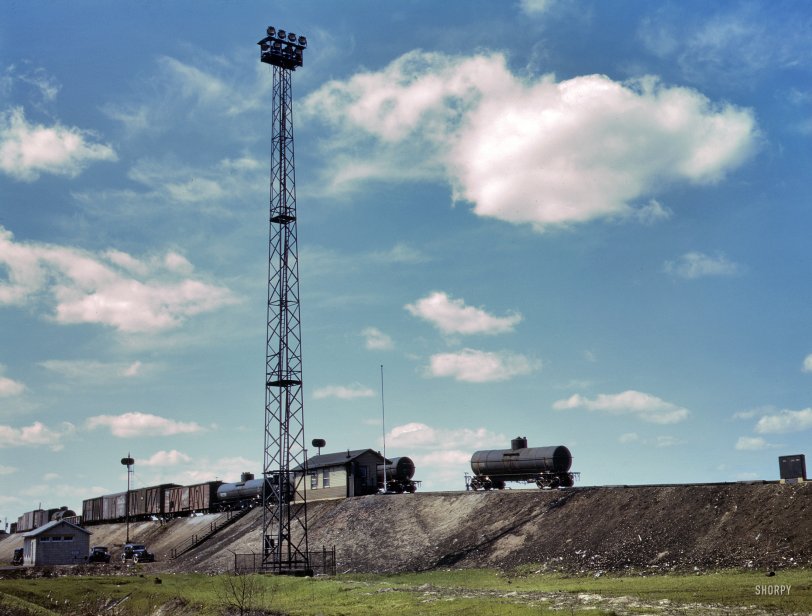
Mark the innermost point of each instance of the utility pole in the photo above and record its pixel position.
(129, 463)
(284, 523)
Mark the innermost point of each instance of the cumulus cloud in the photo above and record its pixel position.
(536, 152)
(693, 265)
(641, 405)
(785, 421)
(420, 435)
(28, 150)
(9, 387)
(7, 470)
(750, 443)
(129, 425)
(342, 392)
(112, 289)
(473, 366)
(807, 367)
(35, 435)
(376, 340)
(166, 458)
(452, 316)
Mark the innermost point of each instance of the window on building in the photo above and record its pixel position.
(325, 478)
(314, 481)
(67, 538)
(56, 538)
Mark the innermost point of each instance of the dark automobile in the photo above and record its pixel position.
(98, 554)
(138, 553)
(17, 559)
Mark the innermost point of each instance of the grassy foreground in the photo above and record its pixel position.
(477, 591)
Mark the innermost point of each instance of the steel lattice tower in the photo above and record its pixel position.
(284, 523)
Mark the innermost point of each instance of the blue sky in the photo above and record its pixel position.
(583, 222)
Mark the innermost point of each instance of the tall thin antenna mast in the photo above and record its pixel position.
(383, 429)
(284, 522)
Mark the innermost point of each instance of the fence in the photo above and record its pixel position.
(319, 562)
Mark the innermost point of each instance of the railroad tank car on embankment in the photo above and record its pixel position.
(547, 467)
(397, 476)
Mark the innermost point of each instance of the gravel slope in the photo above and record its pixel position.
(585, 529)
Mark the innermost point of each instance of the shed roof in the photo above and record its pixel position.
(51, 526)
(337, 459)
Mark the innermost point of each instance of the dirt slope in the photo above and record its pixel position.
(587, 529)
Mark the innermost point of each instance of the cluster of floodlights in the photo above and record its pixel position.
(282, 48)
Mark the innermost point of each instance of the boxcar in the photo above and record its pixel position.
(185, 500)
(93, 510)
(114, 507)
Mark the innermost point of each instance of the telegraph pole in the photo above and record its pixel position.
(284, 524)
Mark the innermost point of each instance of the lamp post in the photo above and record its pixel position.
(129, 463)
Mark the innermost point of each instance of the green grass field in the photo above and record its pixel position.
(454, 592)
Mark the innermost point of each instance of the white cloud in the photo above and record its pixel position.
(7, 470)
(750, 443)
(452, 316)
(535, 7)
(342, 392)
(92, 371)
(693, 265)
(473, 366)
(9, 387)
(400, 253)
(28, 150)
(628, 437)
(807, 364)
(641, 405)
(785, 421)
(36, 434)
(734, 45)
(166, 458)
(129, 425)
(227, 469)
(104, 289)
(423, 436)
(519, 149)
(376, 340)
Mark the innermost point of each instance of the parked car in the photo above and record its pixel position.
(98, 554)
(138, 553)
(17, 559)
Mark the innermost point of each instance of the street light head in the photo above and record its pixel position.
(292, 37)
(282, 34)
(303, 41)
(127, 461)
(271, 31)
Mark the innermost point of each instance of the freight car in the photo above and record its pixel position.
(171, 500)
(398, 476)
(40, 517)
(547, 467)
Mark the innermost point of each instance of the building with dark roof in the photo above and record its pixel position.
(56, 543)
(340, 475)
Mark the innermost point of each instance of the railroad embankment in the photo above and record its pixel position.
(764, 526)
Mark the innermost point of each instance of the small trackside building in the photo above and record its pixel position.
(56, 543)
(340, 475)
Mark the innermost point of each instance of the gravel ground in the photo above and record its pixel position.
(585, 530)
